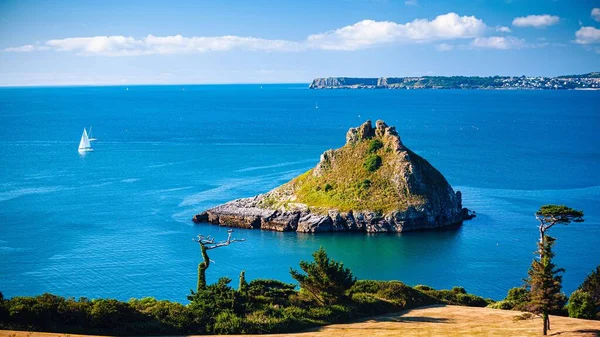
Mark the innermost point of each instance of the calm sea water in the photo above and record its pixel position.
(116, 222)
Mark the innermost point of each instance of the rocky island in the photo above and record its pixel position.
(372, 184)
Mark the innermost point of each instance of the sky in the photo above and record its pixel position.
(109, 42)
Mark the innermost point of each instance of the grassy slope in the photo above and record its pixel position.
(348, 185)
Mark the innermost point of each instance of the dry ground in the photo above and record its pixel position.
(433, 321)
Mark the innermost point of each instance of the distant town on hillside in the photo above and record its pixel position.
(589, 81)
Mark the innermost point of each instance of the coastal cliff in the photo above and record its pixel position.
(372, 184)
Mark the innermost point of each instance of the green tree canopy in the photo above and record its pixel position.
(550, 215)
(591, 285)
(326, 280)
(581, 305)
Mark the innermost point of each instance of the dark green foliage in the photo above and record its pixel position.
(518, 295)
(581, 305)
(374, 145)
(271, 291)
(559, 214)
(372, 162)
(591, 285)
(455, 296)
(326, 280)
(243, 285)
(544, 283)
(365, 184)
(260, 306)
(327, 187)
(503, 305)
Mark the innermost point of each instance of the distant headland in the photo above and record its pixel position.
(372, 184)
(589, 81)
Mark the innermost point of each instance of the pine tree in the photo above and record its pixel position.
(544, 283)
(326, 280)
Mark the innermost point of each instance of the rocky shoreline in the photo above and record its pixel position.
(430, 201)
(244, 213)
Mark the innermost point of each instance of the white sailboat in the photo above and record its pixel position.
(91, 138)
(316, 105)
(84, 144)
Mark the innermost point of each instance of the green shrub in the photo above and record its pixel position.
(519, 296)
(591, 285)
(375, 145)
(372, 162)
(228, 323)
(327, 187)
(459, 290)
(365, 184)
(581, 305)
(326, 280)
(422, 287)
(503, 305)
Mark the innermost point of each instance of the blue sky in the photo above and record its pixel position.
(156, 42)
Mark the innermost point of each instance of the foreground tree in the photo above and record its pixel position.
(550, 215)
(326, 280)
(544, 284)
(207, 243)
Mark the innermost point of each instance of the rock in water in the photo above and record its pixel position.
(372, 184)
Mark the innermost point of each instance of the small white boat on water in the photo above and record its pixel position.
(91, 138)
(84, 143)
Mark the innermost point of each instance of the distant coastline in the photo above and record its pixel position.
(589, 81)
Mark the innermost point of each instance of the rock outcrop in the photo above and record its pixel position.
(400, 192)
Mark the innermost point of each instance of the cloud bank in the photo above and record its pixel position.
(361, 35)
(536, 21)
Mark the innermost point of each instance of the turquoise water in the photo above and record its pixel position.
(116, 222)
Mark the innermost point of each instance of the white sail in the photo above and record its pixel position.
(90, 136)
(84, 144)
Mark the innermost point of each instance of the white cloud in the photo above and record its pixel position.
(444, 47)
(499, 42)
(503, 29)
(26, 48)
(127, 46)
(587, 35)
(368, 32)
(411, 2)
(537, 21)
(363, 34)
(596, 14)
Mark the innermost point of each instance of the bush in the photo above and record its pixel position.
(375, 145)
(326, 280)
(581, 305)
(456, 296)
(591, 285)
(327, 187)
(372, 163)
(503, 305)
(228, 323)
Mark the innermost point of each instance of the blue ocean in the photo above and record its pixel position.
(116, 222)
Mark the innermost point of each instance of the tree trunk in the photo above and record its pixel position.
(545, 316)
(202, 269)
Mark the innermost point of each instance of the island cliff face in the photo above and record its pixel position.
(372, 184)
